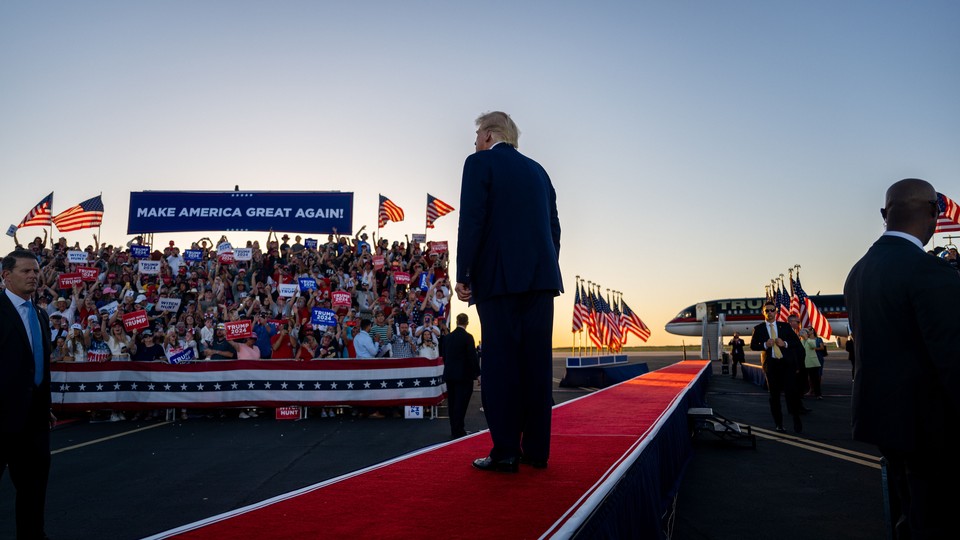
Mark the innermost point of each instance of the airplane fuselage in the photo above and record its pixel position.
(742, 314)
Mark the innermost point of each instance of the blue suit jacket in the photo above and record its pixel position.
(509, 236)
(23, 406)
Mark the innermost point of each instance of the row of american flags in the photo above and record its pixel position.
(796, 302)
(389, 211)
(607, 322)
(86, 215)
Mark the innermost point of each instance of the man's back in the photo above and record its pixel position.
(509, 236)
(901, 308)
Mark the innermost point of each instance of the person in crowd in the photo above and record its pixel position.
(308, 347)
(402, 344)
(264, 332)
(95, 343)
(776, 342)
(25, 417)
(149, 350)
(821, 349)
(508, 266)
(220, 349)
(461, 367)
(428, 344)
(811, 362)
(802, 385)
(284, 343)
(75, 344)
(121, 345)
(329, 346)
(737, 355)
(902, 310)
(363, 343)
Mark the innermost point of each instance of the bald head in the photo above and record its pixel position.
(911, 207)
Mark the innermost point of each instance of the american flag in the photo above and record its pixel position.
(142, 385)
(388, 212)
(85, 215)
(633, 324)
(794, 301)
(613, 322)
(593, 321)
(435, 209)
(800, 296)
(580, 311)
(811, 315)
(949, 220)
(40, 215)
(783, 304)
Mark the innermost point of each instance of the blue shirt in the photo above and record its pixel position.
(264, 332)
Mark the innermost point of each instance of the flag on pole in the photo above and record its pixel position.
(580, 311)
(85, 215)
(633, 324)
(40, 215)
(593, 321)
(783, 304)
(796, 302)
(801, 297)
(613, 323)
(389, 212)
(949, 220)
(435, 209)
(811, 315)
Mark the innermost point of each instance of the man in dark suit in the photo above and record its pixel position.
(779, 346)
(902, 308)
(25, 417)
(508, 265)
(460, 369)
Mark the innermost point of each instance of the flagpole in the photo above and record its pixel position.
(590, 292)
(573, 341)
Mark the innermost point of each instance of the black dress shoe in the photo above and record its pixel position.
(510, 465)
(797, 424)
(535, 463)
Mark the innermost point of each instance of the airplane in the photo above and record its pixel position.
(742, 314)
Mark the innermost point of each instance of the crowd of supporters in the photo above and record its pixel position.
(402, 320)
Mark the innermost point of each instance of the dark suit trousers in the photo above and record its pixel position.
(782, 378)
(27, 456)
(517, 373)
(458, 399)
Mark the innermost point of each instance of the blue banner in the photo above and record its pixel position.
(312, 212)
(193, 255)
(307, 284)
(140, 252)
(310, 243)
(183, 357)
(323, 317)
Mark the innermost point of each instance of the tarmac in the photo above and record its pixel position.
(132, 479)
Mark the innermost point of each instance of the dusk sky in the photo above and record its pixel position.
(698, 148)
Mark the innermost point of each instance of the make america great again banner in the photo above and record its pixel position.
(312, 212)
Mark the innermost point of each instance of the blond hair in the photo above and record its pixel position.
(501, 126)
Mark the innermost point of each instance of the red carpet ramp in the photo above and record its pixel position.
(599, 441)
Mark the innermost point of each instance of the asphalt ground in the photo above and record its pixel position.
(127, 479)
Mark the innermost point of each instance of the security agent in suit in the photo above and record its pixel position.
(779, 358)
(461, 366)
(902, 308)
(25, 417)
(507, 264)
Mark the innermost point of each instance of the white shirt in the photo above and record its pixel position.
(906, 236)
(24, 313)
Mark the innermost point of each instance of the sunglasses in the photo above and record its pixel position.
(769, 310)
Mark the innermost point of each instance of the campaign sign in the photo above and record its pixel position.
(12, 230)
(140, 252)
(438, 247)
(401, 278)
(243, 254)
(291, 412)
(310, 243)
(323, 317)
(288, 290)
(224, 247)
(88, 273)
(418, 237)
(307, 212)
(135, 320)
(193, 255)
(413, 411)
(241, 329)
(67, 281)
(307, 284)
(424, 281)
(76, 257)
(149, 267)
(110, 308)
(378, 262)
(183, 356)
(168, 304)
(340, 299)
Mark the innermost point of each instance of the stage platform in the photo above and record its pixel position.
(617, 458)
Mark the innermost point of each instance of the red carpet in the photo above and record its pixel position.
(436, 493)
